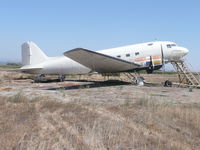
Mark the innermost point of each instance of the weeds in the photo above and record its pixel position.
(164, 91)
(26, 76)
(161, 95)
(20, 98)
(84, 126)
(62, 91)
(11, 65)
(36, 99)
(127, 101)
(151, 102)
(146, 102)
(73, 76)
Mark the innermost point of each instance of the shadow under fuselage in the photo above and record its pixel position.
(92, 84)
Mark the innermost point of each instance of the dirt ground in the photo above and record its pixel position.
(91, 112)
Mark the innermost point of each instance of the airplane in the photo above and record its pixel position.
(148, 56)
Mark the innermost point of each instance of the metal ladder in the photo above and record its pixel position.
(185, 75)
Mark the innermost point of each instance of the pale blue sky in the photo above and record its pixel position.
(59, 25)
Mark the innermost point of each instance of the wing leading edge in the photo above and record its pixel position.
(100, 62)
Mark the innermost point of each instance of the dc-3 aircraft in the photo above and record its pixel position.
(145, 56)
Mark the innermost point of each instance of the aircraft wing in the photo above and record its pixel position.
(99, 62)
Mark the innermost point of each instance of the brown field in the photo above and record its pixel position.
(92, 114)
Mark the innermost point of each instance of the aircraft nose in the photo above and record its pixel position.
(179, 53)
(185, 51)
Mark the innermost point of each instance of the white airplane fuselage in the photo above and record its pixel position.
(158, 52)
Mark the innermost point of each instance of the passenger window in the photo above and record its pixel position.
(118, 56)
(137, 53)
(127, 55)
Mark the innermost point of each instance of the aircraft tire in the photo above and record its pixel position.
(168, 83)
(61, 78)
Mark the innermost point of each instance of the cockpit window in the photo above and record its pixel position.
(173, 45)
(170, 45)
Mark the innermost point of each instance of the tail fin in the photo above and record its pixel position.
(32, 54)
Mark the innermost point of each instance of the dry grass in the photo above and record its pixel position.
(166, 125)
(16, 120)
(144, 124)
(11, 75)
(20, 98)
(1, 81)
(103, 118)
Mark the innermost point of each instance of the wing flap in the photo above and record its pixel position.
(100, 62)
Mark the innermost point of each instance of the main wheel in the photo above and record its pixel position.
(168, 83)
(61, 78)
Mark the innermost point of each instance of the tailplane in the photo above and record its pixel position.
(32, 54)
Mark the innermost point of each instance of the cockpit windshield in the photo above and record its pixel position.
(171, 45)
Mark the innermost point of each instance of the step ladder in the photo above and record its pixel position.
(185, 75)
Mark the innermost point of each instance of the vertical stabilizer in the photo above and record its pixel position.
(32, 54)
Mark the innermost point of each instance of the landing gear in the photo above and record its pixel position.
(168, 83)
(42, 78)
(39, 78)
(61, 78)
(149, 70)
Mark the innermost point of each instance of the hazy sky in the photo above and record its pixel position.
(60, 25)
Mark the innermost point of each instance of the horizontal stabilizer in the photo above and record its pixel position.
(30, 67)
(100, 62)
